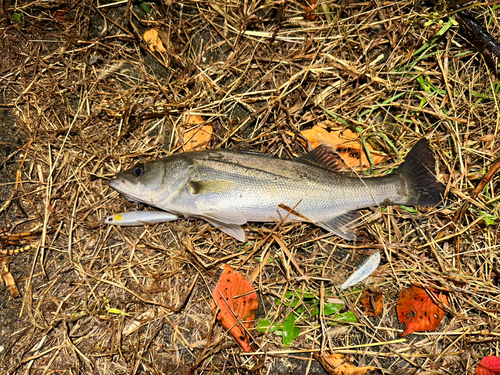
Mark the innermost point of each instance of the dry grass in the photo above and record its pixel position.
(92, 100)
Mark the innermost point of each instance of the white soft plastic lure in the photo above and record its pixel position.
(364, 270)
(139, 218)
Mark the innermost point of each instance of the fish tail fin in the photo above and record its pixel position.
(419, 170)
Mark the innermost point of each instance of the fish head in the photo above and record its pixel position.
(149, 183)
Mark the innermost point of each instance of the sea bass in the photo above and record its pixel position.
(230, 188)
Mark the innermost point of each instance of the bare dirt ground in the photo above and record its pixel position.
(83, 96)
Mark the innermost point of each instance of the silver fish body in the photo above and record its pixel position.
(229, 188)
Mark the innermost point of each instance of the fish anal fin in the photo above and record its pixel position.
(232, 230)
(341, 225)
(324, 157)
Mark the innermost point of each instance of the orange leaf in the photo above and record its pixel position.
(153, 40)
(343, 143)
(198, 137)
(489, 366)
(372, 302)
(237, 302)
(418, 311)
(193, 119)
(336, 364)
(309, 12)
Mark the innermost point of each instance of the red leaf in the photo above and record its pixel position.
(418, 311)
(237, 303)
(489, 366)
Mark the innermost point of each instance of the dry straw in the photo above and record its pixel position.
(89, 99)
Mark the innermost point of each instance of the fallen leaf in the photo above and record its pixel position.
(293, 135)
(310, 12)
(337, 364)
(143, 319)
(193, 119)
(153, 40)
(487, 138)
(59, 14)
(372, 302)
(196, 137)
(237, 302)
(342, 142)
(418, 311)
(489, 366)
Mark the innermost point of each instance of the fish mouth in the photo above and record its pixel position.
(114, 183)
(117, 184)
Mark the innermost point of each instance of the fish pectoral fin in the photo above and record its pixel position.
(232, 230)
(225, 217)
(210, 186)
(341, 225)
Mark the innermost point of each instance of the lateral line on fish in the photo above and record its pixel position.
(248, 168)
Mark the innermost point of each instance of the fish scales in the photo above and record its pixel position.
(230, 188)
(260, 186)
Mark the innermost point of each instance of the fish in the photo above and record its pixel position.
(229, 188)
(140, 218)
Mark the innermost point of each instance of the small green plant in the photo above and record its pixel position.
(409, 209)
(19, 18)
(309, 305)
(488, 218)
(145, 8)
(288, 331)
(112, 310)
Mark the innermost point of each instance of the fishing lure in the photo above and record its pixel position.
(139, 218)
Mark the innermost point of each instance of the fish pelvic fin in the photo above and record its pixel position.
(419, 171)
(233, 230)
(227, 222)
(225, 217)
(341, 225)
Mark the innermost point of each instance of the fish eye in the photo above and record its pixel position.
(138, 170)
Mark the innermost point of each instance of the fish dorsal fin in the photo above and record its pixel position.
(341, 225)
(233, 230)
(324, 157)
